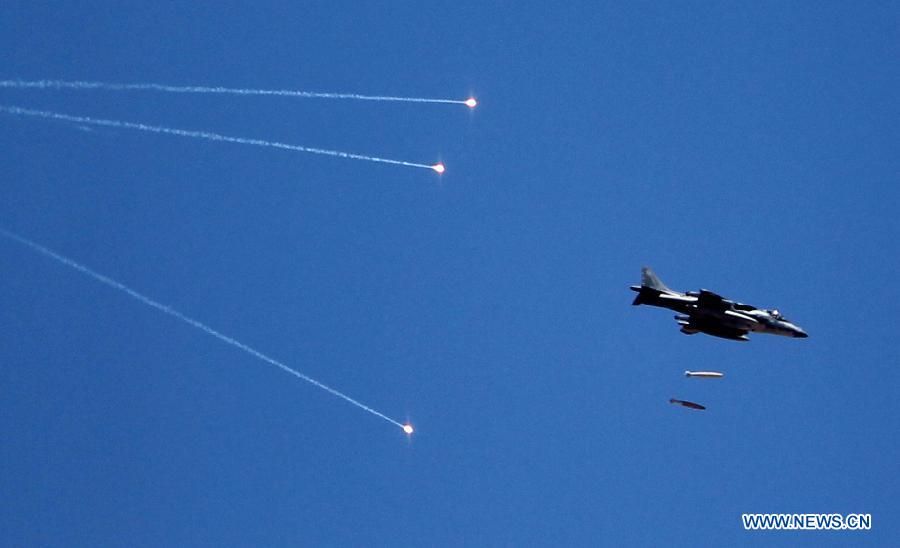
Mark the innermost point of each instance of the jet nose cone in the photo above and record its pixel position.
(800, 334)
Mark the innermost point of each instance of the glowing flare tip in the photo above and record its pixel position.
(471, 102)
(439, 168)
(408, 429)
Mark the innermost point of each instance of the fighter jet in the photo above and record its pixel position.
(706, 312)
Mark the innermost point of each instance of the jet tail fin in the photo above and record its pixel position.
(641, 296)
(649, 279)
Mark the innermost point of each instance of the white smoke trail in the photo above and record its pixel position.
(201, 135)
(188, 320)
(61, 84)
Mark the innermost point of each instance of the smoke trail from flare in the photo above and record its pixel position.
(190, 321)
(201, 135)
(62, 84)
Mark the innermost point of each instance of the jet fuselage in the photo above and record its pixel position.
(707, 312)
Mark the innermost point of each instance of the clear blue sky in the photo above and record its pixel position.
(750, 150)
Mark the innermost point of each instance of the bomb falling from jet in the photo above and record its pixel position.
(688, 404)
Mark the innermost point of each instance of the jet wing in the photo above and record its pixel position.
(690, 326)
(711, 301)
